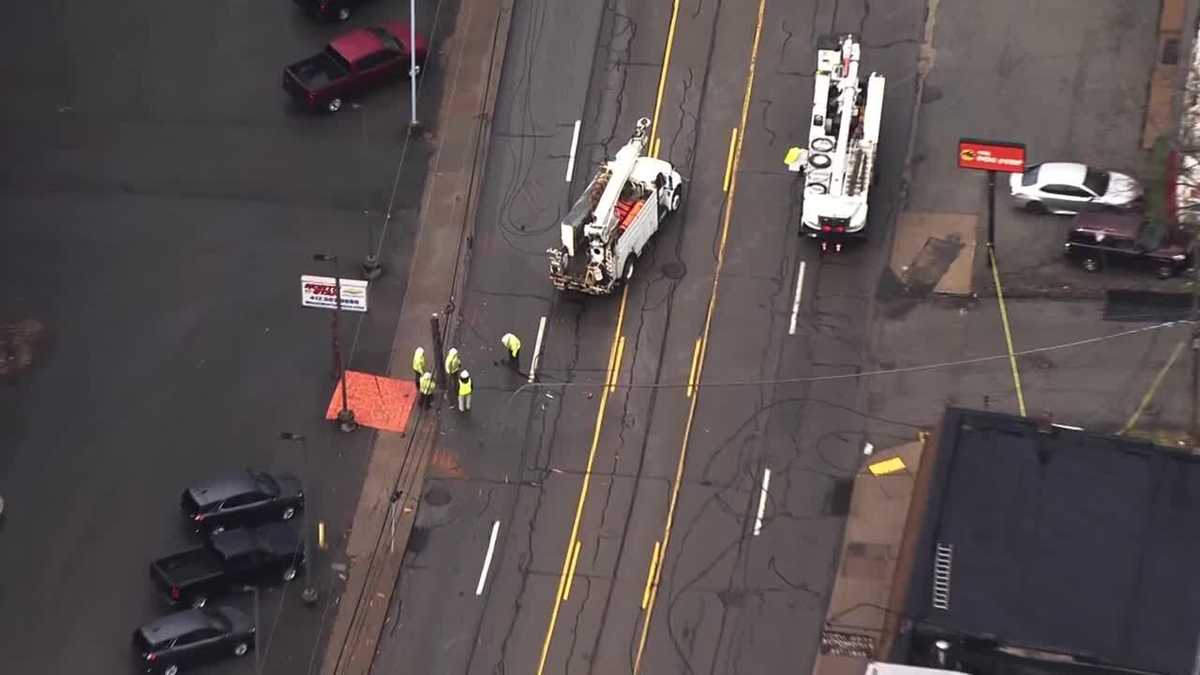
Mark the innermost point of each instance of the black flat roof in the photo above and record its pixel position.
(1068, 542)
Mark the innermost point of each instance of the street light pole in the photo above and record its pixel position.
(370, 266)
(345, 416)
(412, 59)
(309, 594)
(257, 654)
(991, 217)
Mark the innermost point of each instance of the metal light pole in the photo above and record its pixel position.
(309, 594)
(345, 416)
(370, 267)
(257, 655)
(991, 217)
(413, 68)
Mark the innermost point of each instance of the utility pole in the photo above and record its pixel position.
(345, 416)
(439, 372)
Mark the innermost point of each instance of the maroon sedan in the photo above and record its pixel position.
(354, 63)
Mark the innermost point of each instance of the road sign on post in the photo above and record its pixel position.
(321, 292)
(991, 156)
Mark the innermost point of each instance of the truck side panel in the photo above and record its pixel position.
(643, 226)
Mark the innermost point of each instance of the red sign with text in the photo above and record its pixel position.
(991, 155)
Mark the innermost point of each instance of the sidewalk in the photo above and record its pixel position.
(388, 503)
(859, 623)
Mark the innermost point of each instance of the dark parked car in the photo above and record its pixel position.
(337, 10)
(241, 499)
(352, 64)
(247, 556)
(1100, 240)
(192, 637)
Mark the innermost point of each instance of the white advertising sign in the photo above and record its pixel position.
(322, 291)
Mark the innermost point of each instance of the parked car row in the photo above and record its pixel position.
(243, 519)
(1109, 229)
(247, 541)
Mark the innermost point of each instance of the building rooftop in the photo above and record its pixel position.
(1061, 551)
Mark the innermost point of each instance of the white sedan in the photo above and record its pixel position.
(1068, 188)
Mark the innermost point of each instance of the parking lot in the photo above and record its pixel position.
(160, 199)
(1069, 80)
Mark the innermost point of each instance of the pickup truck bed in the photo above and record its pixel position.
(317, 72)
(186, 569)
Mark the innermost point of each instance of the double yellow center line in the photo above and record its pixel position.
(660, 553)
(571, 559)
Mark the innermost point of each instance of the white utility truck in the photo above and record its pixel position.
(843, 140)
(613, 219)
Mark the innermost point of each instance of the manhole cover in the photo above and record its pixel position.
(674, 270)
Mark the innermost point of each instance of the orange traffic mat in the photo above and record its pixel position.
(378, 402)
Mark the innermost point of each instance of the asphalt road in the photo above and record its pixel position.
(583, 484)
(159, 199)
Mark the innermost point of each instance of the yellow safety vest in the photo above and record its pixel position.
(427, 383)
(464, 387)
(512, 342)
(453, 363)
(419, 360)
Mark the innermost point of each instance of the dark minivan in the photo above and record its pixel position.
(1101, 240)
(242, 499)
(192, 637)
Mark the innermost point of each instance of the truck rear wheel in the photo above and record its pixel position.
(628, 270)
(677, 199)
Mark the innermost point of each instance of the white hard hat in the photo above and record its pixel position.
(464, 375)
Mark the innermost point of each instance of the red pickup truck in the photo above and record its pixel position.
(354, 63)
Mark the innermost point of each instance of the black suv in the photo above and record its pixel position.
(242, 499)
(192, 637)
(1100, 240)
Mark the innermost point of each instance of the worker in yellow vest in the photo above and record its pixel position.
(427, 386)
(418, 365)
(464, 391)
(512, 343)
(453, 363)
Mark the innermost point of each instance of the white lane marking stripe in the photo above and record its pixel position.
(574, 147)
(537, 349)
(762, 501)
(796, 301)
(487, 560)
